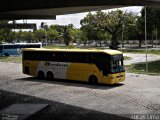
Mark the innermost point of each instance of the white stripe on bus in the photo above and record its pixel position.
(59, 69)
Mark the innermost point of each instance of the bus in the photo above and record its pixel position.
(94, 66)
(15, 49)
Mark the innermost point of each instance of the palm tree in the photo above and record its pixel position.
(66, 35)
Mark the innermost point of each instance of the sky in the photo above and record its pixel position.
(75, 18)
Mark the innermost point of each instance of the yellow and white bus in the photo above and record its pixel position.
(94, 66)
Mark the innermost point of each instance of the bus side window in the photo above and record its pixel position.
(87, 58)
(91, 59)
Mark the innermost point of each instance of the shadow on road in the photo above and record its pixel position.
(73, 83)
(57, 110)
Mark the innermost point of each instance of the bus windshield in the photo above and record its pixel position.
(117, 64)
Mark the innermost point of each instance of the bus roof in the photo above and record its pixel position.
(108, 51)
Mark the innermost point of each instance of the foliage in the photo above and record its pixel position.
(79, 36)
(154, 68)
(66, 34)
(153, 23)
(127, 58)
(6, 35)
(152, 20)
(107, 25)
(2, 39)
(29, 36)
(88, 26)
(53, 34)
(114, 22)
(91, 28)
(40, 35)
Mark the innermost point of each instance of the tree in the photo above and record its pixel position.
(113, 22)
(137, 31)
(89, 27)
(39, 35)
(79, 36)
(153, 23)
(66, 35)
(2, 39)
(20, 36)
(7, 35)
(29, 36)
(107, 25)
(53, 34)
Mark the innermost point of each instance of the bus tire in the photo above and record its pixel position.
(93, 79)
(41, 75)
(6, 54)
(50, 75)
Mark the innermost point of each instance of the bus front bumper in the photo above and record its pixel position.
(114, 78)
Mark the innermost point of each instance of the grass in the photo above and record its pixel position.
(60, 47)
(127, 58)
(53, 47)
(16, 59)
(153, 68)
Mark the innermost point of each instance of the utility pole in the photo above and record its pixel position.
(122, 37)
(156, 37)
(146, 37)
(45, 35)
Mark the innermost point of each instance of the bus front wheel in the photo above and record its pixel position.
(41, 75)
(50, 76)
(93, 79)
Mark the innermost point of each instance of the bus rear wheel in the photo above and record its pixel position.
(93, 79)
(41, 75)
(50, 76)
(6, 54)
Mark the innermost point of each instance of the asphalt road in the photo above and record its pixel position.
(138, 94)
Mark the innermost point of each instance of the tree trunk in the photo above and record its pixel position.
(140, 43)
(100, 43)
(114, 43)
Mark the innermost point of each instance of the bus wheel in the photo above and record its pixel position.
(41, 75)
(6, 54)
(93, 79)
(50, 76)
